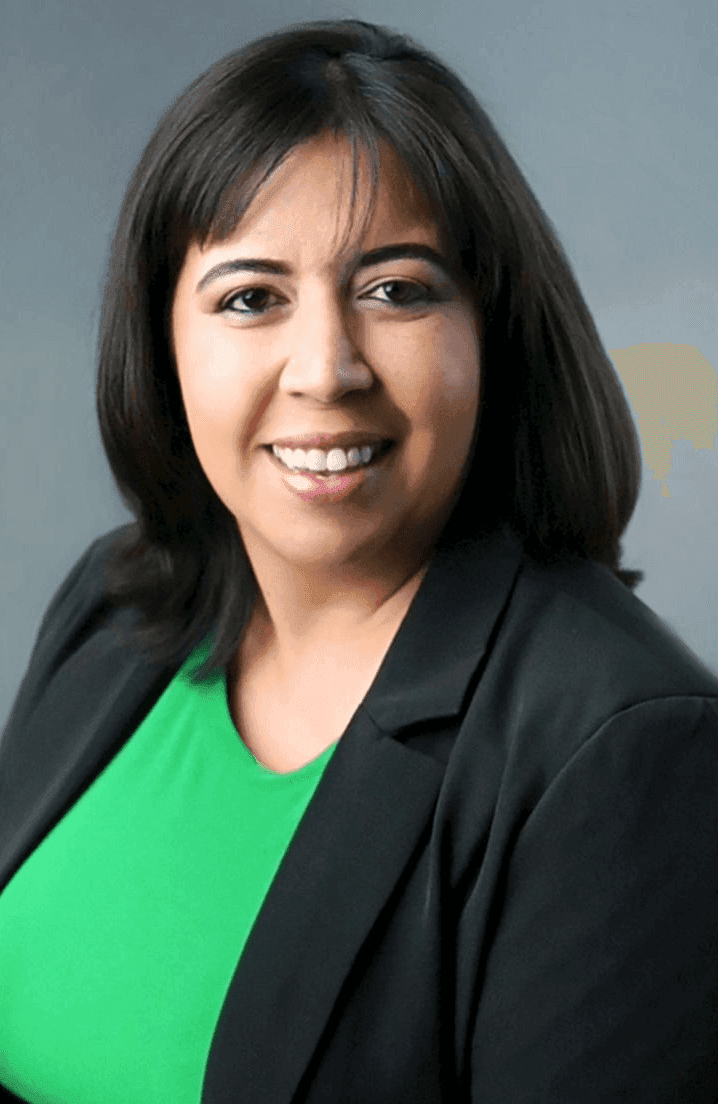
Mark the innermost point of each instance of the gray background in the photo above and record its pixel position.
(610, 107)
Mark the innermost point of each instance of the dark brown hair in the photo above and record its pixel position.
(555, 452)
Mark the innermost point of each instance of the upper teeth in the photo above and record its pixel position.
(316, 460)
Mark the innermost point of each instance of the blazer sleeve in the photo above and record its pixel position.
(601, 983)
(65, 611)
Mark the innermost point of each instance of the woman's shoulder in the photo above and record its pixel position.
(75, 613)
(588, 628)
(580, 661)
(83, 588)
(584, 696)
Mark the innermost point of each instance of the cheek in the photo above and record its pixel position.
(461, 374)
(441, 378)
(210, 379)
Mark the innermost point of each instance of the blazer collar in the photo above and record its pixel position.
(428, 668)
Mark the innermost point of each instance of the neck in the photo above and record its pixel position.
(304, 611)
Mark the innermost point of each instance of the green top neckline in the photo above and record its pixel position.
(217, 691)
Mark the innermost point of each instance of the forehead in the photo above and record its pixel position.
(307, 201)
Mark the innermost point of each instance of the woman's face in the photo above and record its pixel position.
(281, 341)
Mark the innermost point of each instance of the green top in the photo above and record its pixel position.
(120, 934)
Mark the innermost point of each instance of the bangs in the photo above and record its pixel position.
(232, 204)
(231, 154)
(224, 205)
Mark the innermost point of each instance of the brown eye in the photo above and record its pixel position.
(403, 293)
(253, 300)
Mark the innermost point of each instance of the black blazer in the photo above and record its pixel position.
(505, 889)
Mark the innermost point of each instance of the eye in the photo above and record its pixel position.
(253, 299)
(404, 293)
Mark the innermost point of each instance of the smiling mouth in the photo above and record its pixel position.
(360, 462)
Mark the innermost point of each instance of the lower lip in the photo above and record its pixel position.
(312, 488)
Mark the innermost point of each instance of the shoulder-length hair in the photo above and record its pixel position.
(555, 451)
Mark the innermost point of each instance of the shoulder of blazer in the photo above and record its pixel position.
(85, 690)
(74, 605)
(575, 651)
(581, 624)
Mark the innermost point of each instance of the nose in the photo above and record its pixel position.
(323, 361)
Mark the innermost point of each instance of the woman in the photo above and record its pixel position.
(353, 771)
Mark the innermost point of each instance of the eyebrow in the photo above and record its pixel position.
(400, 251)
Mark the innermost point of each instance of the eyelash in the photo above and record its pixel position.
(424, 294)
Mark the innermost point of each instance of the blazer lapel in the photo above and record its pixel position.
(368, 817)
(350, 848)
